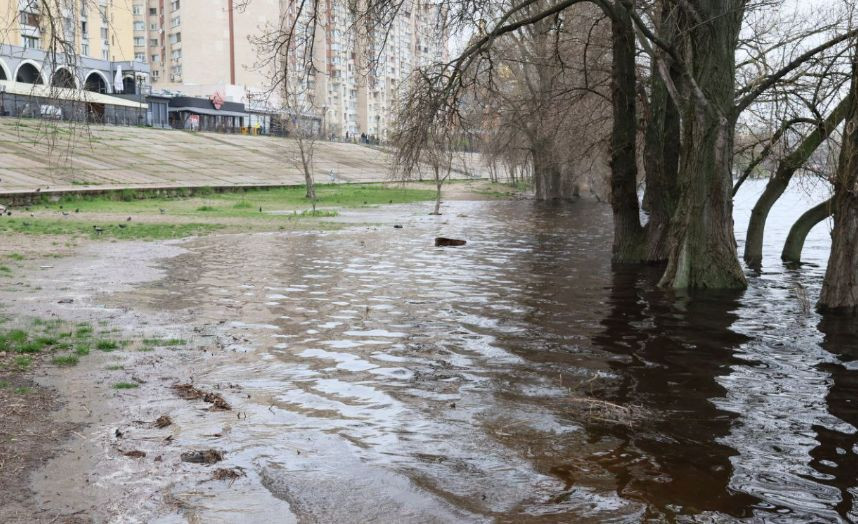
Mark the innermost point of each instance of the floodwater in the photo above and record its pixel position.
(521, 378)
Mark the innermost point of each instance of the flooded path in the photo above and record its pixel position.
(518, 379)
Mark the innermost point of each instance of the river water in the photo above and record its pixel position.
(522, 379)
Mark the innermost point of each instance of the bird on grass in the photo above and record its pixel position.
(123, 226)
(162, 210)
(128, 219)
(98, 230)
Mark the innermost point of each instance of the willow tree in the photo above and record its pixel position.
(840, 286)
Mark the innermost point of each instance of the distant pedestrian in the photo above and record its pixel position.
(333, 176)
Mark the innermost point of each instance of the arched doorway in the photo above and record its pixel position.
(129, 86)
(63, 78)
(28, 74)
(3, 74)
(95, 83)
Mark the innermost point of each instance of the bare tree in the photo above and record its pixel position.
(840, 286)
(304, 127)
(425, 140)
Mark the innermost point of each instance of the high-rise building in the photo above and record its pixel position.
(197, 46)
(69, 43)
(359, 79)
(212, 48)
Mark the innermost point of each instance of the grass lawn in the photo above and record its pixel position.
(158, 218)
(244, 203)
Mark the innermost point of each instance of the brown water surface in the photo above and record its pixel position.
(521, 378)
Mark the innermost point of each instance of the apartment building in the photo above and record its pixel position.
(360, 79)
(91, 41)
(202, 47)
(211, 49)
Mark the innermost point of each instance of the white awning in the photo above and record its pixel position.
(61, 93)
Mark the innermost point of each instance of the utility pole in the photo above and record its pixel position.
(229, 4)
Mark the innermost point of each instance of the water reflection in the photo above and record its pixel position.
(836, 455)
(674, 347)
(458, 376)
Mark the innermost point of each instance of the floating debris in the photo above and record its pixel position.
(230, 474)
(189, 392)
(134, 454)
(206, 456)
(449, 242)
(162, 422)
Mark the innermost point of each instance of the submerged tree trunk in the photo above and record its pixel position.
(840, 286)
(799, 231)
(703, 247)
(438, 184)
(628, 232)
(780, 181)
(661, 154)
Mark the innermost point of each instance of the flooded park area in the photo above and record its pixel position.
(357, 373)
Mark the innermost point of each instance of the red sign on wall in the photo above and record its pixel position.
(217, 100)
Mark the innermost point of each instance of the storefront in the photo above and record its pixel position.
(204, 114)
(52, 103)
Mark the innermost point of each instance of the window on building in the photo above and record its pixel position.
(177, 54)
(140, 57)
(153, 27)
(176, 38)
(105, 33)
(105, 54)
(153, 42)
(175, 21)
(30, 42)
(156, 59)
(28, 18)
(139, 41)
(139, 26)
(84, 48)
(137, 9)
(175, 5)
(153, 11)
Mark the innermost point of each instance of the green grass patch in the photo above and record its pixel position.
(164, 342)
(66, 360)
(3, 384)
(114, 367)
(5, 269)
(240, 203)
(107, 345)
(125, 385)
(23, 390)
(83, 331)
(82, 349)
(121, 231)
(15, 256)
(23, 363)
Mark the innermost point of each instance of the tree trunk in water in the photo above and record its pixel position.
(780, 181)
(703, 247)
(546, 173)
(628, 233)
(798, 232)
(840, 287)
(438, 183)
(661, 156)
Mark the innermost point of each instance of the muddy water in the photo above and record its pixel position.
(519, 379)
